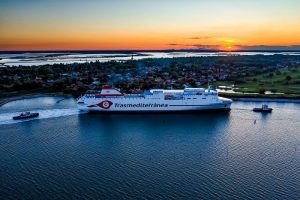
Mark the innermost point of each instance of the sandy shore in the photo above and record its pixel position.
(30, 96)
(267, 100)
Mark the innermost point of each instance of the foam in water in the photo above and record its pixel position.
(6, 118)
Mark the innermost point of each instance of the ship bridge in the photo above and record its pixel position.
(108, 92)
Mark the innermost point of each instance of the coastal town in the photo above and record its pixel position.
(255, 74)
(150, 99)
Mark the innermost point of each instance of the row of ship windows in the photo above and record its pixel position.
(143, 98)
(137, 97)
(195, 98)
(134, 96)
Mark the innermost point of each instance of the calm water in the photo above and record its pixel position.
(29, 59)
(72, 155)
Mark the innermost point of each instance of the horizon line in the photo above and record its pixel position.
(150, 50)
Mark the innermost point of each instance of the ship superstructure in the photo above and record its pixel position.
(156, 100)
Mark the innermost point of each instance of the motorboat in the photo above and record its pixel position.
(26, 115)
(264, 108)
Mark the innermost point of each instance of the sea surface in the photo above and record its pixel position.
(31, 59)
(66, 154)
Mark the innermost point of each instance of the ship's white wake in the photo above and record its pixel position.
(6, 118)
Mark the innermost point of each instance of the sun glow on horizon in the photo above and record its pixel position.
(111, 25)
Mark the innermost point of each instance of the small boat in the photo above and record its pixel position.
(264, 108)
(25, 115)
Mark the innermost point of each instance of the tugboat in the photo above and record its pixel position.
(264, 108)
(25, 115)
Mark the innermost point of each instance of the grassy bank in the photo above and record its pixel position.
(270, 96)
(281, 81)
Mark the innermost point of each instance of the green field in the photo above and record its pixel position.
(282, 81)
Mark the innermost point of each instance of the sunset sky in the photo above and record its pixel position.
(151, 24)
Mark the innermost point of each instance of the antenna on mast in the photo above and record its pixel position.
(208, 82)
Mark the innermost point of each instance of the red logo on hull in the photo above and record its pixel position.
(103, 104)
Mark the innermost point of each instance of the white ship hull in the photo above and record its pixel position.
(157, 101)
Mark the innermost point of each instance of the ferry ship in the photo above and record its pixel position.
(156, 100)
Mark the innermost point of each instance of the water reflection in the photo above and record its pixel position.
(154, 124)
(155, 156)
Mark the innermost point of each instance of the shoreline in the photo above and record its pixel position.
(6, 100)
(261, 97)
(278, 100)
(235, 97)
(282, 98)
